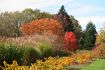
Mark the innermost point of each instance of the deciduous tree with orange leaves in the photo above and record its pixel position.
(41, 26)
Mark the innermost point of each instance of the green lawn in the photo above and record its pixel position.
(96, 65)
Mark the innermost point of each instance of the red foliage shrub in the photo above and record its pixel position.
(49, 26)
(70, 41)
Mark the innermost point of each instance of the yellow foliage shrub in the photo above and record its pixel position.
(82, 58)
(51, 63)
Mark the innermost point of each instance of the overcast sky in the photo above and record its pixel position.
(83, 10)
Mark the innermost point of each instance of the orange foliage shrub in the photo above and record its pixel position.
(99, 51)
(49, 26)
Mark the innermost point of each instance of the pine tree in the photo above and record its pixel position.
(77, 28)
(90, 36)
(64, 19)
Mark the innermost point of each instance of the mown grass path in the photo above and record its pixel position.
(96, 65)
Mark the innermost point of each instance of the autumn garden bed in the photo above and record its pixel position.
(43, 41)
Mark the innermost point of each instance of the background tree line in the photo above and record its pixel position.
(10, 22)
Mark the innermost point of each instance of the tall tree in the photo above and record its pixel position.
(9, 24)
(64, 19)
(30, 14)
(90, 36)
(77, 28)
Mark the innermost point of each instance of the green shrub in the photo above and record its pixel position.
(46, 49)
(9, 52)
(30, 55)
(61, 53)
(23, 55)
